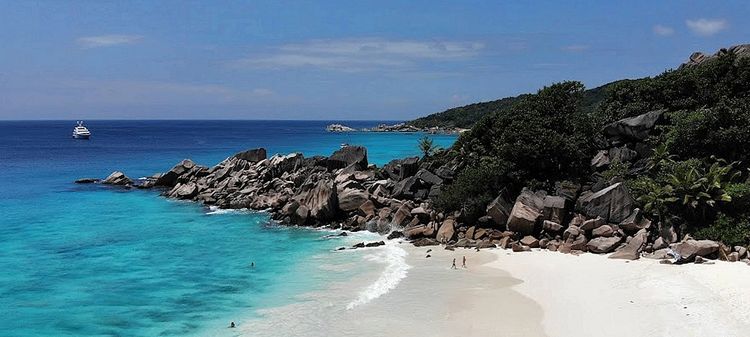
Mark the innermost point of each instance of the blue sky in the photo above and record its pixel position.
(331, 59)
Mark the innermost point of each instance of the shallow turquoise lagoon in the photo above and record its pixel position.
(87, 260)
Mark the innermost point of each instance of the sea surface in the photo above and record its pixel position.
(90, 260)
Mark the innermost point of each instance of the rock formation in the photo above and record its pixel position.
(343, 191)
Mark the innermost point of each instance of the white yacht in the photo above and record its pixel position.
(81, 132)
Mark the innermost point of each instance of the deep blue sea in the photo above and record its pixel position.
(88, 260)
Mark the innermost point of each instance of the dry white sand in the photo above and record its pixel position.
(590, 295)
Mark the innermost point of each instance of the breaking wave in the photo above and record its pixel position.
(395, 270)
(216, 210)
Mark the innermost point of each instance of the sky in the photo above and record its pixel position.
(365, 60)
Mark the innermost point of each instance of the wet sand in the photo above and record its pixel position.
(432, 300)
(502, 293)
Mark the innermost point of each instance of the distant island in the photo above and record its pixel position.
(339, 128)
(399, 127)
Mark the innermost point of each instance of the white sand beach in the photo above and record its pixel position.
(502, 293)
(590, 295)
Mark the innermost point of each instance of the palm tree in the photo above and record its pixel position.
(427, 147)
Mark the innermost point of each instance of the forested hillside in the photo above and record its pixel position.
(466, 116)
(679, 141)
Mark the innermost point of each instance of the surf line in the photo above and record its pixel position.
(395, 270)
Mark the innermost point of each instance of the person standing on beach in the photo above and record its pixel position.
(454, 264)
(464, 262)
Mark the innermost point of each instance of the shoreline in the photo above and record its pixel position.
(521, 294)
(431, 300)
(556, 297)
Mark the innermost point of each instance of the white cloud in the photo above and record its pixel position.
(90, 92)
(707, 27)
(411, 49)
(662, 30)
(107, 40)
(576, 48)
(360, 54)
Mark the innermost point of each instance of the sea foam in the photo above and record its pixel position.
(216, 210)
(395, 270)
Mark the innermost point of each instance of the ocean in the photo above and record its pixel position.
(91, 260)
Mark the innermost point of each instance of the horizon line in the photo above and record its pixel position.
(196, 119)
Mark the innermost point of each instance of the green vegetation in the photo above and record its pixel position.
(689, 192)
(475, 187)
(466, 116)
(708, 118)
(427, 147)
(544, 138)
(693, 171)
(730, 230)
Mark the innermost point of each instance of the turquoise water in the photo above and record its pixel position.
(87, 260)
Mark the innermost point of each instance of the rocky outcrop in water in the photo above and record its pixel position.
(339, 128)
(117, 178)
(344, 191)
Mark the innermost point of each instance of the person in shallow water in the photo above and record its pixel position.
(463, 265)
(454, 264)
(231, 325)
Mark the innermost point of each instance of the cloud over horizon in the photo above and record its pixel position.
(107, 40)
(360, 54)
(707, 27)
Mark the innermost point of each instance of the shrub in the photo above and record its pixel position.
(720, 131)
(740, 194)
(688, 88)
(474, 188)
(546, 136)
(691, 192)
(427, 147)
(727, 229)
(616, 170)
